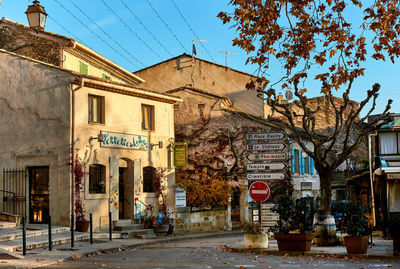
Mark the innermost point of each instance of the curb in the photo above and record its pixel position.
(311, 254)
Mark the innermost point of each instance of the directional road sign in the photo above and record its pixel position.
(265, 166)
(264, 136)
(267, 156)
(270, 146)
(261, 176)
(259, 191)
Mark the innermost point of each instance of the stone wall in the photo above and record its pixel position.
(201, 220)
(25, 41)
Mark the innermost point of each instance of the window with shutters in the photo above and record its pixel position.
(83, 68)
(301, 165)
(148, 117)
(96, 106)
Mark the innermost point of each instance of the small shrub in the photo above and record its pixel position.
(251, 228)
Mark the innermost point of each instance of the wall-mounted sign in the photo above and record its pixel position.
(266, 176)
(265, 166)
(124, 141)
(265, 136)
(180, 154)
(180, 197)
(270, 146)
(267, 156)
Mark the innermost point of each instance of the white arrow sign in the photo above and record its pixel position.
(265, 166)
(266, 176)
(267, 156)
(263, 136)
(271, 146)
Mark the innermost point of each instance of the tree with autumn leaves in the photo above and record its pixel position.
(326, 42)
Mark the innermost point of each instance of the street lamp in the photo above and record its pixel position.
(36, 16)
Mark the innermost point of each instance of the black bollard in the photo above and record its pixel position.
(110, 225)
(24, 235)
(50, 239)
(72, 230)
(91, 228)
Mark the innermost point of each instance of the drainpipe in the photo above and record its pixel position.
(371, 177)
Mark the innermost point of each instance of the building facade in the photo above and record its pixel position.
(72, 107)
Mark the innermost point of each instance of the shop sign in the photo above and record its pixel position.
(266, 136)
(180, 154)
(124, 141)
(180, 197)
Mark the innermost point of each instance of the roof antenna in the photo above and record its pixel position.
(226, 55)
(194, 52)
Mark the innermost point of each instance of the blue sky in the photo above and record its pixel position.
(141, 48)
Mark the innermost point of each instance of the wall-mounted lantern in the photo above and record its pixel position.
(36, 16)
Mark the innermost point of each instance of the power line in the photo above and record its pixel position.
(148, 31)
(99, 37)
(190, 28)
(166, 25)
(105, 33)
(65, 29)
(130, 29)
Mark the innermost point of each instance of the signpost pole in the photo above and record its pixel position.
(259, 214)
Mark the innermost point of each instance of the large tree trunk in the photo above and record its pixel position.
(325, 178)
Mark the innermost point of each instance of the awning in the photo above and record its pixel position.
(387, 170)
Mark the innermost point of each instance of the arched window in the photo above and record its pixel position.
(97, 178)
(149, 174)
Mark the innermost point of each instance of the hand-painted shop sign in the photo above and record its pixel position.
(266, 156)
(265, 136)
(269, 146)
(265, 176)
(265, 166)
(124, 141)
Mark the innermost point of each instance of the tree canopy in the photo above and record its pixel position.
(332, 40)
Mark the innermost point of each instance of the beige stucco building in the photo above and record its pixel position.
(61, 102)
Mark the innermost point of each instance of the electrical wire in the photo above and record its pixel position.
(166, 25)
(65, 29)
(104, 32)
(191, 29)
(130, 29)
(148, 31)
(99, 37)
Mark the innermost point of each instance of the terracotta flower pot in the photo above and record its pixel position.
(255, 240)
(356, 244)
(294, 242)
(82, 225)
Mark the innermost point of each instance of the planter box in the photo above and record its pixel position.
(255, 240)
(294, 242)
(356, 244)
(161, 228)
(82, 225)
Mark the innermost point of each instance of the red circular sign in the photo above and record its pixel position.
(259, 191)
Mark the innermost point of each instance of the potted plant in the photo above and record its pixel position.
(81, 223)
(354, 223)
(254, 236)
(294, 229)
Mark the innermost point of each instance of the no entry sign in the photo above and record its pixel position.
(259, 191)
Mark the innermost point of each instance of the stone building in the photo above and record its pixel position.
(214, 118)
(61, 102)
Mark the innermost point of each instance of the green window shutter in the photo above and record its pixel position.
(83, 68)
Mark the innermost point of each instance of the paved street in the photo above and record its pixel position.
(210, 253)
